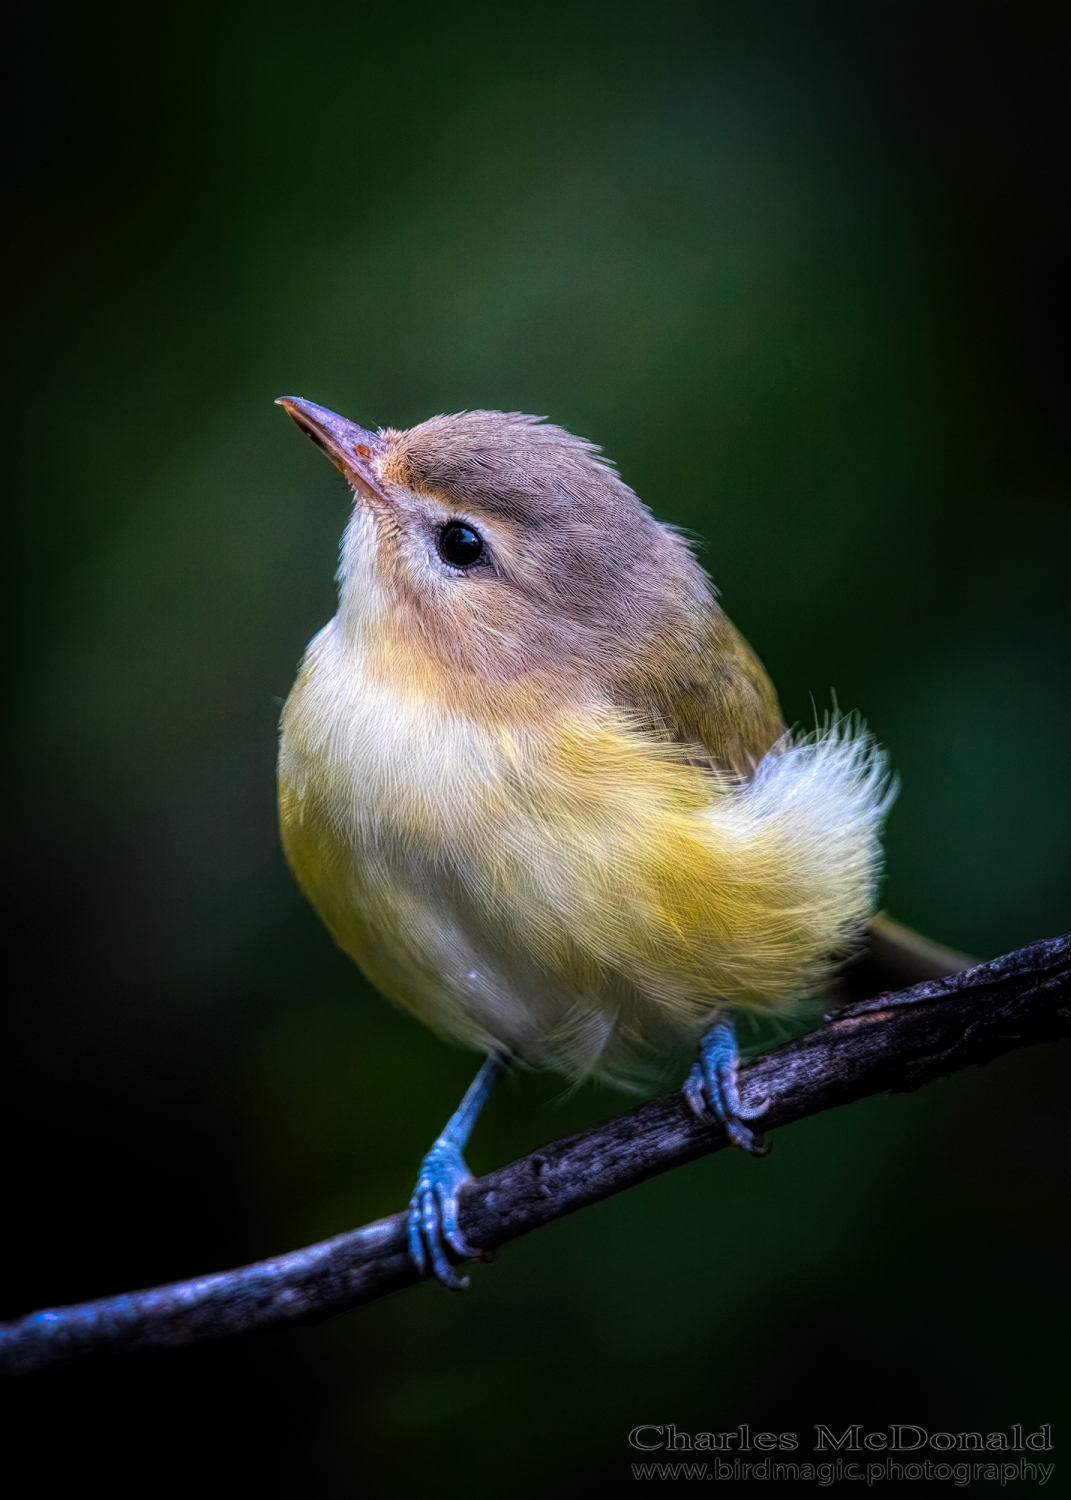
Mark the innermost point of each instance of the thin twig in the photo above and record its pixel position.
(896, 1041)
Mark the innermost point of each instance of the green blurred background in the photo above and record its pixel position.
(801, 270)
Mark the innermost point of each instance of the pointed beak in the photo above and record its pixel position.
(350, 448)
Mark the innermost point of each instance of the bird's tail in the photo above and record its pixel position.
(895, 957)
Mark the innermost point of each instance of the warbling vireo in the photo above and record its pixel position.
(537, 785)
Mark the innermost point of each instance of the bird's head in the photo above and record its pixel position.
(494, 548)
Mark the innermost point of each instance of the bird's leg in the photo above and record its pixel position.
(710, 1088)
(433, 1207)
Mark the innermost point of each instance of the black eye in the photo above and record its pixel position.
(459, 544)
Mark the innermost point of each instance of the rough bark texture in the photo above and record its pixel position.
(896, 1041)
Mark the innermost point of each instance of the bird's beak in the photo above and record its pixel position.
(350, 448)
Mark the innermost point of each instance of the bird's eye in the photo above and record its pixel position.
(460, 544)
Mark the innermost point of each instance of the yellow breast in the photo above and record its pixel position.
(563, 883)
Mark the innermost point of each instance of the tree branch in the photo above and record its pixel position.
(896, 1041)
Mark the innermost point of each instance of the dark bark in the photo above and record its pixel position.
(896, 1041)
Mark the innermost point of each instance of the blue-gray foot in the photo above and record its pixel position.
(433, 1215)
(433, 1208)
(711, 1089)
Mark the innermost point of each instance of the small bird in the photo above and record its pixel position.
(538, 786)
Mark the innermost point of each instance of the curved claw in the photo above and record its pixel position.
(741, 1136)
(693, 1091)
(433, 1215)
(711, 1088)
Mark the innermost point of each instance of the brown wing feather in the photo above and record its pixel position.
(717, 697)
(720, 699)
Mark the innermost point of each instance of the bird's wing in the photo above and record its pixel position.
(727, 705)
(723, 701)
(716, 697)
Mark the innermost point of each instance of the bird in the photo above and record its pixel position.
(538, 786)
